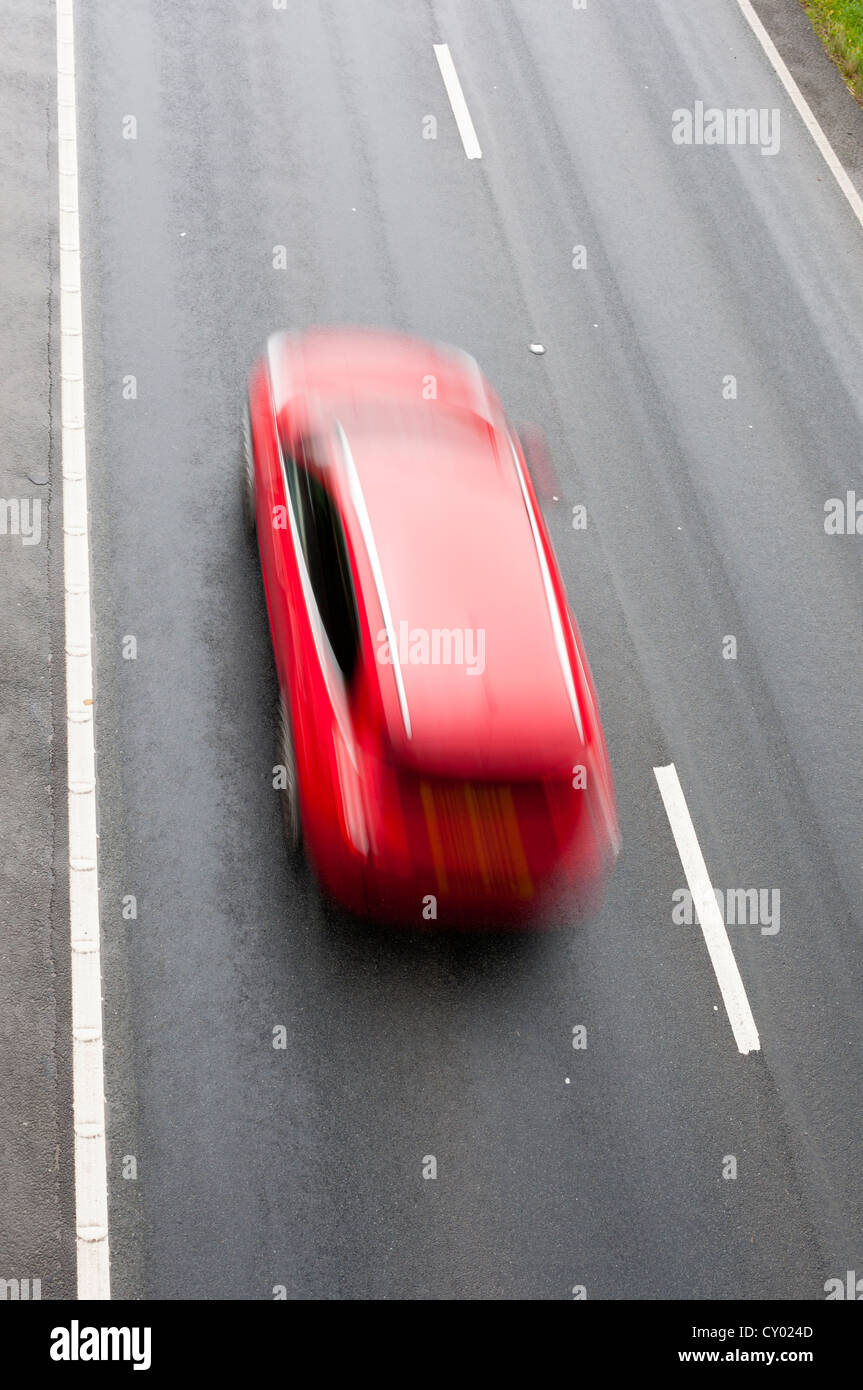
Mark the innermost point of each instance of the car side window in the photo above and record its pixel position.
(326, 554)
(290, 474)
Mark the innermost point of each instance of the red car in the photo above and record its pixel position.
(438, 726)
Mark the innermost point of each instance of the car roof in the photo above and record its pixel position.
(437, 519)
(458, 582)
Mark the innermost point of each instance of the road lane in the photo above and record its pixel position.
(303, 1167)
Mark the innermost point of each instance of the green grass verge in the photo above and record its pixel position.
(839, 25)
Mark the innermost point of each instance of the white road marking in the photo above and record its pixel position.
(88, 1086)
(831, 158)
(709, 916)
(457, 101)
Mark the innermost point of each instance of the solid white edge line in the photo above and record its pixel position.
(831, 158)
(457, 101)
(88, 1086)
(712, 926)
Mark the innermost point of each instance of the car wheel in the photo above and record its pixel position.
(288, 795)
(247, 478)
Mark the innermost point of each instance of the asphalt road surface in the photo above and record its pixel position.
(603, 1167)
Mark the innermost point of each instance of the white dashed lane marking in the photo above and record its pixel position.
(704, 900)
(457, 101)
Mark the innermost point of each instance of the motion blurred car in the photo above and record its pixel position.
(437, 722)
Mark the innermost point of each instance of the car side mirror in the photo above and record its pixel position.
(537, 455)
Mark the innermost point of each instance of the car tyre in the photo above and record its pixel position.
(247, 478)
(289, 794)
